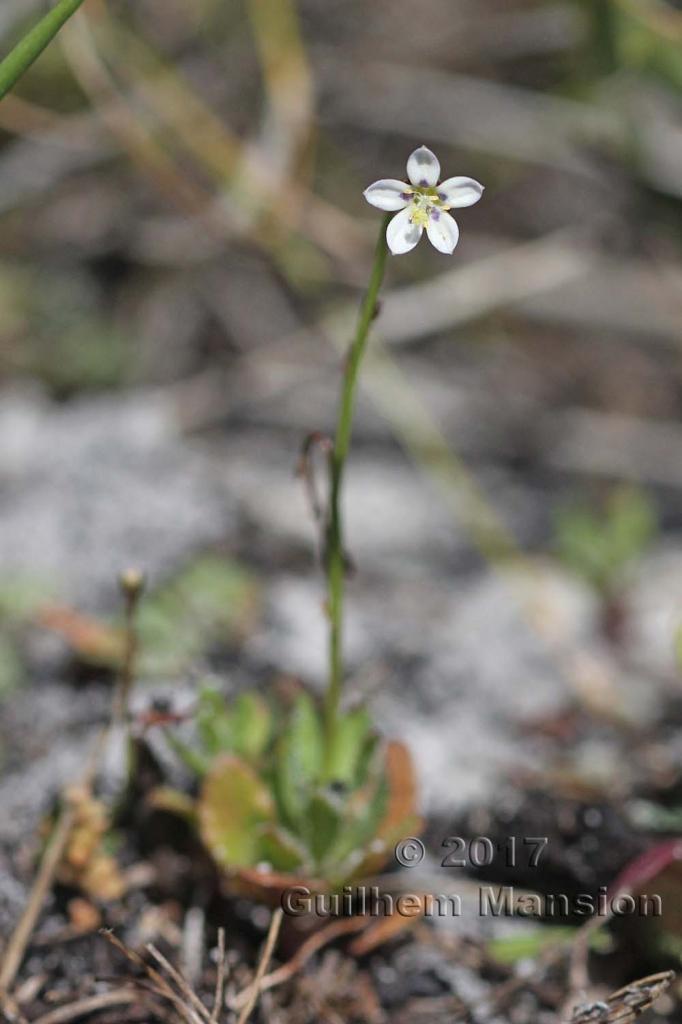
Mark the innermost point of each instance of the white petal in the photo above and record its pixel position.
(442, 231)
(401, 234)
(460, 192)
(423, 168)
(388, 194)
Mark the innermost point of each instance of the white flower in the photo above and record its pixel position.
(423, 204)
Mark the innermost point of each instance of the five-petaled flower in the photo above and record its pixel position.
(423, 203)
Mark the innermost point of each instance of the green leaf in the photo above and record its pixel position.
(363, 815)
(395, 806)
(251, 725)
(349, 743)
(600, 547)
(283, 851)
(243, 728)
(529, 944)
(632, 524)
(22, 597)
(191, 758)
(214, 723)
(580, 544)
(12, 670)
(323, 819)
(216, 590)
(306, 737)
(34, 42)
(645, 814)
(166, 643)
(646, 44)
(174, 801)
(208, 603)
(299, 761)
(370, 755)
(233, 803)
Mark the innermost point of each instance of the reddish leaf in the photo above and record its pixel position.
(647, 866)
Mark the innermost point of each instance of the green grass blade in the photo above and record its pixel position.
(33, 44)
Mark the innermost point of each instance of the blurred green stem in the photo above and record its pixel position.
(335, 552)
(605, 28)
(34, 42)
(132, 585)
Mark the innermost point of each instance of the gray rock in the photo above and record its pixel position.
(488, 668)
(90, 488)
(654, 602)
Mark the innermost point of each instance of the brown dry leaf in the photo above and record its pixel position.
(91, 640)
(86, 863)
(401, 816)
(386, 928)
(268, 886)
(403, 793)
(83, 915)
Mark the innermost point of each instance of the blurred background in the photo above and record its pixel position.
(183, 248)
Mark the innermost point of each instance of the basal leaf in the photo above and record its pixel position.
(251, 725)
(348, 744)
(282, 850)
(298, 764)
(214, 723)
(233, 803)
(323, 819)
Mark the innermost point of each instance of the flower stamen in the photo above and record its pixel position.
(419, 215)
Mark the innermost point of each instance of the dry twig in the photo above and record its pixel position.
(16, 947)
(220, 978)
(319, 940)
(254, 989)
(123, 996)
(182, 984)
(157, 983)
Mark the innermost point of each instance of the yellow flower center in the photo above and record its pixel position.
(424, 201)
(419, 216)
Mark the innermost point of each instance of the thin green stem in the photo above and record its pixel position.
(34, 42)
(132, 585)
(335, 552)
(605, 23)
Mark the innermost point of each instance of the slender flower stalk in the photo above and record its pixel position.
(33, 43)
(132, 584)
(419, 204)
(335, 551)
